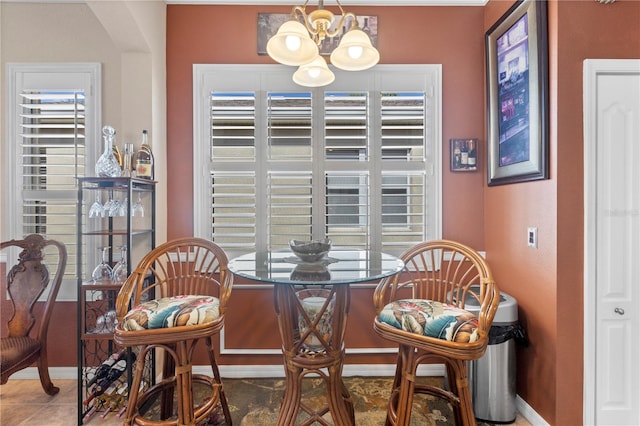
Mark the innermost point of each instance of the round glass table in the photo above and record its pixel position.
(312, 305)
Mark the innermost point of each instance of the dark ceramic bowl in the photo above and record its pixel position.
(310, 251)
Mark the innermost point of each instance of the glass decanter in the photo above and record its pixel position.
(107, 165)
(120, 273)
(103, 273)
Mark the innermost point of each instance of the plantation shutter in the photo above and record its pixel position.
(360, 167)
(52, 157)
(233, 174)
(404, 143)
(51, 119)
(347, 168)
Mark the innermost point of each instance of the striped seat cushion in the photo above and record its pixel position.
(177, 311)
(432, 319)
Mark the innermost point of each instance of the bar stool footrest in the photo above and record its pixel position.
(153, 395)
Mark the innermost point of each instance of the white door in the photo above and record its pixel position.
(612, 242)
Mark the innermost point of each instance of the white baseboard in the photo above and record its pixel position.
(62, 373)
(246, 371)
(266, 371)
(349, 370)
(529, 413)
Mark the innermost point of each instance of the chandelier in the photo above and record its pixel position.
(297, 44)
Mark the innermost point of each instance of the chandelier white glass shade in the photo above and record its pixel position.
(314, 74)
(292, 45)
(355, 52)
(296, 44)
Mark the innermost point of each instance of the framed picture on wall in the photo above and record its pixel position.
(464, 155)
(517, 95)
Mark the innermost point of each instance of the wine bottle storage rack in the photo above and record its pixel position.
(112, 400)
(97, 300)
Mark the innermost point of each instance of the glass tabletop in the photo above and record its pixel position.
(338, 267)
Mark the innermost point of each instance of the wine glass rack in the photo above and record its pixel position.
(102, 392)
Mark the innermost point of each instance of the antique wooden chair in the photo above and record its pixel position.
(175, 297)
(423, 310)
(26, 342)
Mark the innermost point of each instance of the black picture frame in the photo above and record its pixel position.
(516, 48)
(464, 155)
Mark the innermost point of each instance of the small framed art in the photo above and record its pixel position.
(464, 155)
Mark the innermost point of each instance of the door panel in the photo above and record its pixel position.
(614, 244)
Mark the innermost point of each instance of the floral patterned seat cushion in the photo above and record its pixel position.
(432, 319)
(174, 311)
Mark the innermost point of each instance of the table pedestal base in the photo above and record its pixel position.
(301, 363)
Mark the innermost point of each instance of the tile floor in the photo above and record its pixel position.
(24, 403)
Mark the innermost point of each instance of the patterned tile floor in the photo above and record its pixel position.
(254, 402)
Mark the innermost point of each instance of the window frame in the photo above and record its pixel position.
(210, 78)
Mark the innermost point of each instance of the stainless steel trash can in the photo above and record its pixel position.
(492, 378)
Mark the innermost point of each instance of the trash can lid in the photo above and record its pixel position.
(507, 308)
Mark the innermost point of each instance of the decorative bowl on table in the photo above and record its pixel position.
(310, 251)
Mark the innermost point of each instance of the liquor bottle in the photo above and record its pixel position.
(116, 153)
(473, 156)
(127, 167)
(464, 156)
(456, 155)
(103, 369)
(144, 159)
(98, 393)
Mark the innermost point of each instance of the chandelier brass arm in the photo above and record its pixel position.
(319, 21)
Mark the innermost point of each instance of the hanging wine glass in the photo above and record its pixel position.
(137, 207)
(120, 271)
(114, 209)
(103, 273)
(96, 208)
(109, 206)
(122, 210)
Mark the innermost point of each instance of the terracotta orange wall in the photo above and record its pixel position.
(452, 36)
(548, 282)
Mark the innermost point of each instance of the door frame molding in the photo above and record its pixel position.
(592, 68)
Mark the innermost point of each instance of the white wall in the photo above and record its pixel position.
(126, 37)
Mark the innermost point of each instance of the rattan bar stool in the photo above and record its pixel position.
(422, 309)
(176, 297)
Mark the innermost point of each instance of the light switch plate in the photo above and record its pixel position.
(532, 237)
